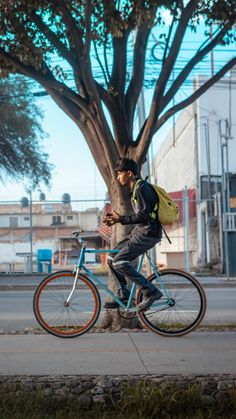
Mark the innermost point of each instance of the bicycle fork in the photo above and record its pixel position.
(67, 302)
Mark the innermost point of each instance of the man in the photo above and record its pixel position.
(144, 236)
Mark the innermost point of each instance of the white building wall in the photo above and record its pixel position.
(182, 161)
(212, 107)
(179, 163)
(174, 168)
(88, 221)
(11, 260)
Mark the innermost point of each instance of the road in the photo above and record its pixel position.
(16, 312)
(118, 353)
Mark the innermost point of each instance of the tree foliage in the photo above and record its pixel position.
(33, 33)
(21, 155)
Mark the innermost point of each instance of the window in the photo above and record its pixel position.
(26, 218)
(69, 217)
(13, 221)
(56, 219)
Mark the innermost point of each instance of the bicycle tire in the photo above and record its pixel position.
(186, 307)
(66, 321)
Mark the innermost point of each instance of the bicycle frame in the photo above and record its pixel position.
(81, 267)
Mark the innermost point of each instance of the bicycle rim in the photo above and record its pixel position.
(182, 312)
(62, 320)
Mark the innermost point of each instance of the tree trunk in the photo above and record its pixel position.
(120, 200)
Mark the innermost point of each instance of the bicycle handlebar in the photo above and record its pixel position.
(76, 234)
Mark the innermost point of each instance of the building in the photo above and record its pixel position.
(196, 162)
(52, 227)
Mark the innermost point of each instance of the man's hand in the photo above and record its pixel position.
(111, 218)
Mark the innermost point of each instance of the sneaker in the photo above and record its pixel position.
(149, 299)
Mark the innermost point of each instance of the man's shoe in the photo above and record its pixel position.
(149, 299)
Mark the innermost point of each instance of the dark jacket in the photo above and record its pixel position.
(145, 200)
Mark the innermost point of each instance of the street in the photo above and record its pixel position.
(16, 311)
(115, 353)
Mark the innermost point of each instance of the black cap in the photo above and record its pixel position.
(124, 164)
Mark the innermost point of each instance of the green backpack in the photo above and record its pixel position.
(167, 210)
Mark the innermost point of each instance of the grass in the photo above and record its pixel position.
(143, 400)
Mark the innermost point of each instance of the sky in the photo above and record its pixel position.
(75, 171)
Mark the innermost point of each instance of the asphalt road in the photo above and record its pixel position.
(119, 353)
(16, 311)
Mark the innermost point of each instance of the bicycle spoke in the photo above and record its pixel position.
(185, 309)
(63, 318)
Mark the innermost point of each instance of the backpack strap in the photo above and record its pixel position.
(133, 198)
(169, 240)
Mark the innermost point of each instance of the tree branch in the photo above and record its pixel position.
(168, 39)
(196, 94)
(136, 82)
(86, 126)
(170, 61)
(118, 75)
(100, 63)
(48, 81)
(105, 59)
(76, 34)
(86, 49)
(190, 65)
(49, 34)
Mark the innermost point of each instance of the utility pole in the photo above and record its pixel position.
(208, 158)
(212, 53)
(185, 201)
(31, 232)
(225, 189)
(146, 166)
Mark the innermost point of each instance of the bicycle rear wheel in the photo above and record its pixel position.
(61, 319)
(179, 313)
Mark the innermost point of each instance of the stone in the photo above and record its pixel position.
(105, 383)
(97, 390)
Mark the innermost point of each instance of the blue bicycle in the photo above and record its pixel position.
(67, 303)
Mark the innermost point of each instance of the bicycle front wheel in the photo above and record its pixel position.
(59, 317)
(182, 307)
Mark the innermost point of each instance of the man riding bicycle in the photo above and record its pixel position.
(146, 234)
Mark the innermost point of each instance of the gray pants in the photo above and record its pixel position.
(121, 263)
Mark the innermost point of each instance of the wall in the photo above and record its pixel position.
(181, 161)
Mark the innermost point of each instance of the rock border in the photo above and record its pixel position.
(91, 389)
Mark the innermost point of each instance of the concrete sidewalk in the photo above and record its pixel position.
(118, 353)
